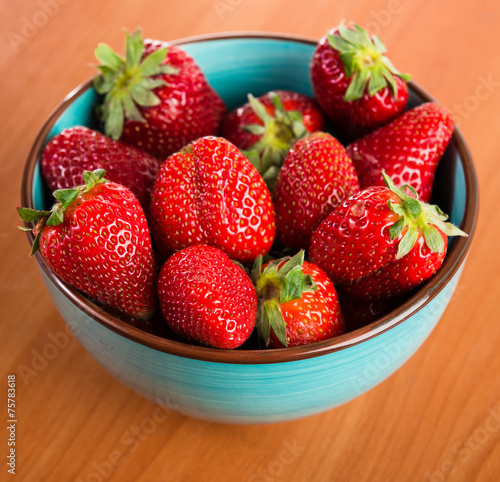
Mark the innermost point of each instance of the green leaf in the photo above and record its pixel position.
(276, 320)
(450, 229)
(134, 47)
(113, 126)
(376, 83)
(407, 243)
(254, 157)
(413, 207)
(57, 216)
(29, 215)
(276, 100)
(65, 196)
(263, 326)
(255, 129)
(143, 96)
(256, 269)
(433, 238)
(293, 285)
(338, 43)
(108, 57)
(349, 61)
(36, 243)
(168, 69)
(131, 110)
(270, 177)
(396, 229)
(91, 178)
(152, 83)
(296, 261)
(356, 88)
(259, 109)
(151, 64)
(309, 284)
(390, 184)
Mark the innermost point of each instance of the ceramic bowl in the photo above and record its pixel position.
(258, 386)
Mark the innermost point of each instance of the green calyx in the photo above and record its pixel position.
(363, 58)
(277, 134)
(417, 217)
(128, 83)
(55, 216)
(282, 280)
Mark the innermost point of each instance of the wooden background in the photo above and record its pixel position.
(437, 418)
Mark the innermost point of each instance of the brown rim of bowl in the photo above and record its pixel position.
(454, 259)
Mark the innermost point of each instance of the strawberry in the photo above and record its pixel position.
(382, 242)
(298, 304)
(79, 149)
(408, 149)
(316, 176)
(209, 193)
(156, 98)
(265, 128)
(97, 240)
(207, 298)
(354, 82)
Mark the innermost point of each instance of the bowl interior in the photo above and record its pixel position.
(236, 65)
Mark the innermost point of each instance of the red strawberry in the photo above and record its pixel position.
(298, 304)
(265, 128)
(96, 239)
(408, 149)
(206, 297)
(316, 176)
(354, 82)
(209, 193)
(79, 149)
(157, 98)
(381, 242)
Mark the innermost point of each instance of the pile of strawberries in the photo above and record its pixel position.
(255, 221)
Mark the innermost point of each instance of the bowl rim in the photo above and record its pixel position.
(454, 259)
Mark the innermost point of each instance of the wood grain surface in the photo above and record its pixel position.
(436, 419)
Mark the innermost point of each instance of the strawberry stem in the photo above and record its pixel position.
(55, 216)
(417, 217)
(277, 134)
(282, 280)
(364, 60)
(128, 83)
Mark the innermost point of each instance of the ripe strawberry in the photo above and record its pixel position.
(316, 176)
(206, 297)
(265, 128)
(79, 149)
(96, 239)
(157, 98)
(209, 193)
(381, 242)
(298, 304)
(354, 82)
(408, 149)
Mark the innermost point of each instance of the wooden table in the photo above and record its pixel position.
(436, 419)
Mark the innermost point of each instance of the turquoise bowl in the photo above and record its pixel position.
(258, 386)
